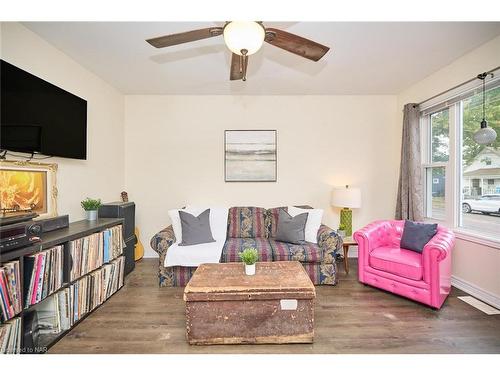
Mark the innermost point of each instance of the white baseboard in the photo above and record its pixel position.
(475, 291)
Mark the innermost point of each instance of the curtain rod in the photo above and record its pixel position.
(456, 87)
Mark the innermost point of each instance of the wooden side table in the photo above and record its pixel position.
(346, 242)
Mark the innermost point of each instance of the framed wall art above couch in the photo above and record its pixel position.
(250, 156)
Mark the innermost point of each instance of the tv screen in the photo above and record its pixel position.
(39, 117)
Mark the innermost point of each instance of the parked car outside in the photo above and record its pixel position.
(485, 204)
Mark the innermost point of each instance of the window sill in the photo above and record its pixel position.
(479, 238)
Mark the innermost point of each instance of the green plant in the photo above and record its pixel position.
(90, 204)
(249, 256)
(341, 227)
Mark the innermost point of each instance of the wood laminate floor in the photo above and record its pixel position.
(349, 318)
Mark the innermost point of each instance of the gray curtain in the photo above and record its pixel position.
(409, 203)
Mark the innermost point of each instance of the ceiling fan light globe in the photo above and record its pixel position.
(485, 136)
(244, 35)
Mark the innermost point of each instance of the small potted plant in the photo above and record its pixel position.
(91, 206)
(249, 257)
(341, 231)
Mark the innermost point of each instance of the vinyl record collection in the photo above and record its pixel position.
(10, 337)
(43, 274)
(91, 252)
(92, 290)
(45, 292)
(10, 291)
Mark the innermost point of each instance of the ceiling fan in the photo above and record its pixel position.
(244, 38)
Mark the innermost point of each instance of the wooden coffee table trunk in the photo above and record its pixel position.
(275, 306)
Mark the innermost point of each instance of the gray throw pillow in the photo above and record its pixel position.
(291, 228)
(416, 235)
(195, 229)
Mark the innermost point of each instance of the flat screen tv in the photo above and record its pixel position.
(39, 117)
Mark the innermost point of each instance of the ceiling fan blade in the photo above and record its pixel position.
(295, 44)
(238, 67)
(186, 37)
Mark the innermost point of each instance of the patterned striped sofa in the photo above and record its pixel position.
(256, 227)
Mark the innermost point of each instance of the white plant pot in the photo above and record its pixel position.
(91, 215)
(341, 233)
(250, 269)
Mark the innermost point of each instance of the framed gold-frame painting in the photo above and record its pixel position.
(27, 185)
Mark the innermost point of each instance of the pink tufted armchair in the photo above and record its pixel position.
(425, 277)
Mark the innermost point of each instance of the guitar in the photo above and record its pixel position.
(139, 249)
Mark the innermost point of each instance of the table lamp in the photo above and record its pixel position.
(347, 198)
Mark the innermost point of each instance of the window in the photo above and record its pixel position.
(461, 177)
(440, 133)
(435, 168)
(435, 184)
(486, 161)
(481, 164)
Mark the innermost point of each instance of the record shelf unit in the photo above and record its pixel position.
(93, 279)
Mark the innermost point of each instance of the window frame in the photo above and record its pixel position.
(427, 163)
(453, 173)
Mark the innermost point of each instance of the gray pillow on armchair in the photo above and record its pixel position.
(416, 235)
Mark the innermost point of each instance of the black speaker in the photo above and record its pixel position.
(53, 223)
(126, 211)
(129, 252)
(123, 210)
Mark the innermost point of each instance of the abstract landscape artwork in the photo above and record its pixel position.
(250, 155)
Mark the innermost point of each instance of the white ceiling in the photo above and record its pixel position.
(365, 58)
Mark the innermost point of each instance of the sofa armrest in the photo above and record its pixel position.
(162, 240)
(440, 245)
(330, 242)
(370, 236)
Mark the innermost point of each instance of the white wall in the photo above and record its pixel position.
(102, 174)
(475, 264)
(174, 153)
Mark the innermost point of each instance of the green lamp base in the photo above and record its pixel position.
(346, 220)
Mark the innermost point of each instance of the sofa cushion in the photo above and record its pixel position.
(234, 246)
(291, 228)
(272, 216)
(246, 222)
(314, 217)
(218, 220)
(195, 229)
(401, 262)
(306, 252)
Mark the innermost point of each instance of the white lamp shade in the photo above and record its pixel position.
(346, 197)
(240, 35)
